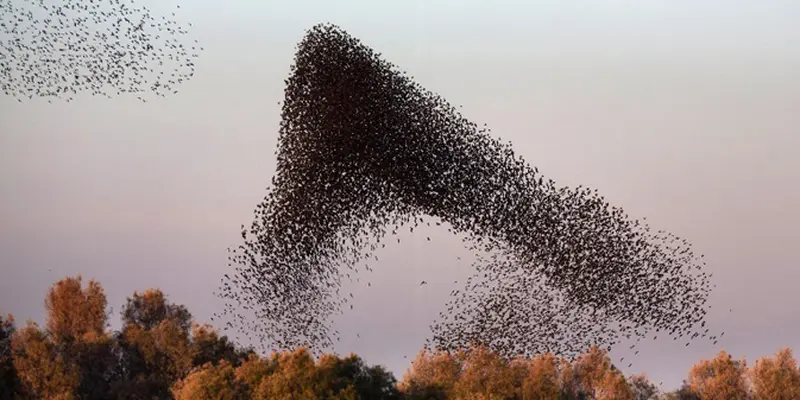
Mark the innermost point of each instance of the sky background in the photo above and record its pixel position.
(682, 112)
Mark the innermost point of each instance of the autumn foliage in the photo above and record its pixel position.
(161, 352)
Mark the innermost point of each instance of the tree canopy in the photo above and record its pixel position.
(161, 352)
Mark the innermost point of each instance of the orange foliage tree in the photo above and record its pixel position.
(541, 380)
(433, 374)
(721, 378)
(485, 375)
(161, 352)
(776, 378)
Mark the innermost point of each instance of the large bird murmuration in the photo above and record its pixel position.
(364, 151)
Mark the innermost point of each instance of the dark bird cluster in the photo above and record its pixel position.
(365, 151)
(57, 49)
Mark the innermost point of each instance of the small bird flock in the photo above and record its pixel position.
(364, 151)
(57, 49)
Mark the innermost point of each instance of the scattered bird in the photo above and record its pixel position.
(57, 50)
(423, 283)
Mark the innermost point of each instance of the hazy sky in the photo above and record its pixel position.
(684, 112)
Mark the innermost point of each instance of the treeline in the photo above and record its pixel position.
(162, 353)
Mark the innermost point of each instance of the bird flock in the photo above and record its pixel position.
(364, 152)
(58, 49)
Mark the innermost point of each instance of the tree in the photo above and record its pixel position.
(432, 375)
(569, 381)
(338, 376)
(542, 378)
(75, 357)
(44, 372)
(776, 378)
(97, 362)
(148, 309)
(485, 374)
(75, 313)
(598, 378)
(721, 378)
(76, 324)
(154, 359)
(254, 369)
(209, 347)
(78, 353)
(643, 388)
(614, 386)
(293, 377)
(155, 346)
(684, 393)
(211, 382)
(591, 368)
(162, 353)
(9, 381)
(377, 383)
